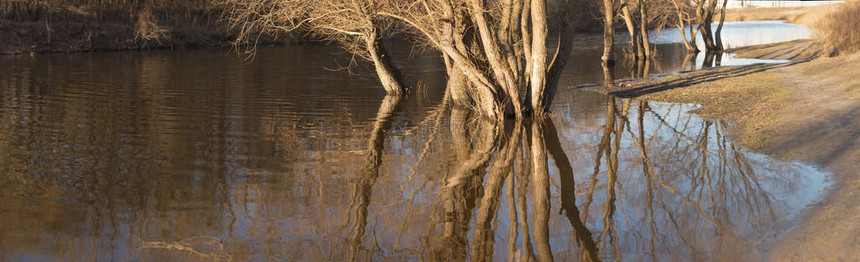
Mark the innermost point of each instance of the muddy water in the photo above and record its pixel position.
(198, 155)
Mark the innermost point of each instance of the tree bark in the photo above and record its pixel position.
(388, 75)
(492, 51)
(538, 55)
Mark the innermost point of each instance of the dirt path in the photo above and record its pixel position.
(797, 50)
(809, 111)
(825, 130)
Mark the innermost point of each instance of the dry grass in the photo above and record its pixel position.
(759, 14)
(807, 15)
(840, 27)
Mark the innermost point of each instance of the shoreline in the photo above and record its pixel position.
(807, 110)
(76, 31)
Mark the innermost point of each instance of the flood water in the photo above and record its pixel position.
(200, 155)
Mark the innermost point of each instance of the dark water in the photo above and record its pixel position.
(198, 155)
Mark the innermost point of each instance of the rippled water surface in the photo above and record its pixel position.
(199, 155)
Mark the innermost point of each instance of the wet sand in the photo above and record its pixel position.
(804, 110)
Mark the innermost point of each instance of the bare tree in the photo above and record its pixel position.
(682, 12)
(705, 11)
(641, 16)
(354, 24)
(500, 47)
(609, 14)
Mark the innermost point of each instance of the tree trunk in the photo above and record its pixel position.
(457, 85)
(694, 31)
(691, 47)
(538, 55)
(388, 74)
(682, 24)
(706, 19)
(608, 57)
(490, 43)
(631, 29)
(643, 29)
(718, 35)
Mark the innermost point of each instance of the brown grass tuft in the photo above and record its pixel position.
(840, 28)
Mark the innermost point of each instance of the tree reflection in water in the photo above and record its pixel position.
(615, 180)
(662, 184)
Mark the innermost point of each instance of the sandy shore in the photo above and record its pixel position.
(808, 110)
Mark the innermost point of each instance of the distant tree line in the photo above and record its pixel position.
(82, 25)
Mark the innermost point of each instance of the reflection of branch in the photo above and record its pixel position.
(612, 178)
(483, 237)
(512, 216)
(540, 178)
(370, 172)
(568, 192)
(522, 209)
(459, 191)
(679, 133)
(601, 148)
(648, 170)
(480, 153)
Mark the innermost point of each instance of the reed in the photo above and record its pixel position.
(840, 27)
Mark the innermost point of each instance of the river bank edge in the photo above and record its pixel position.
(806, 110)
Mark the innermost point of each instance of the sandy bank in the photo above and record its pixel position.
(809, 111)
